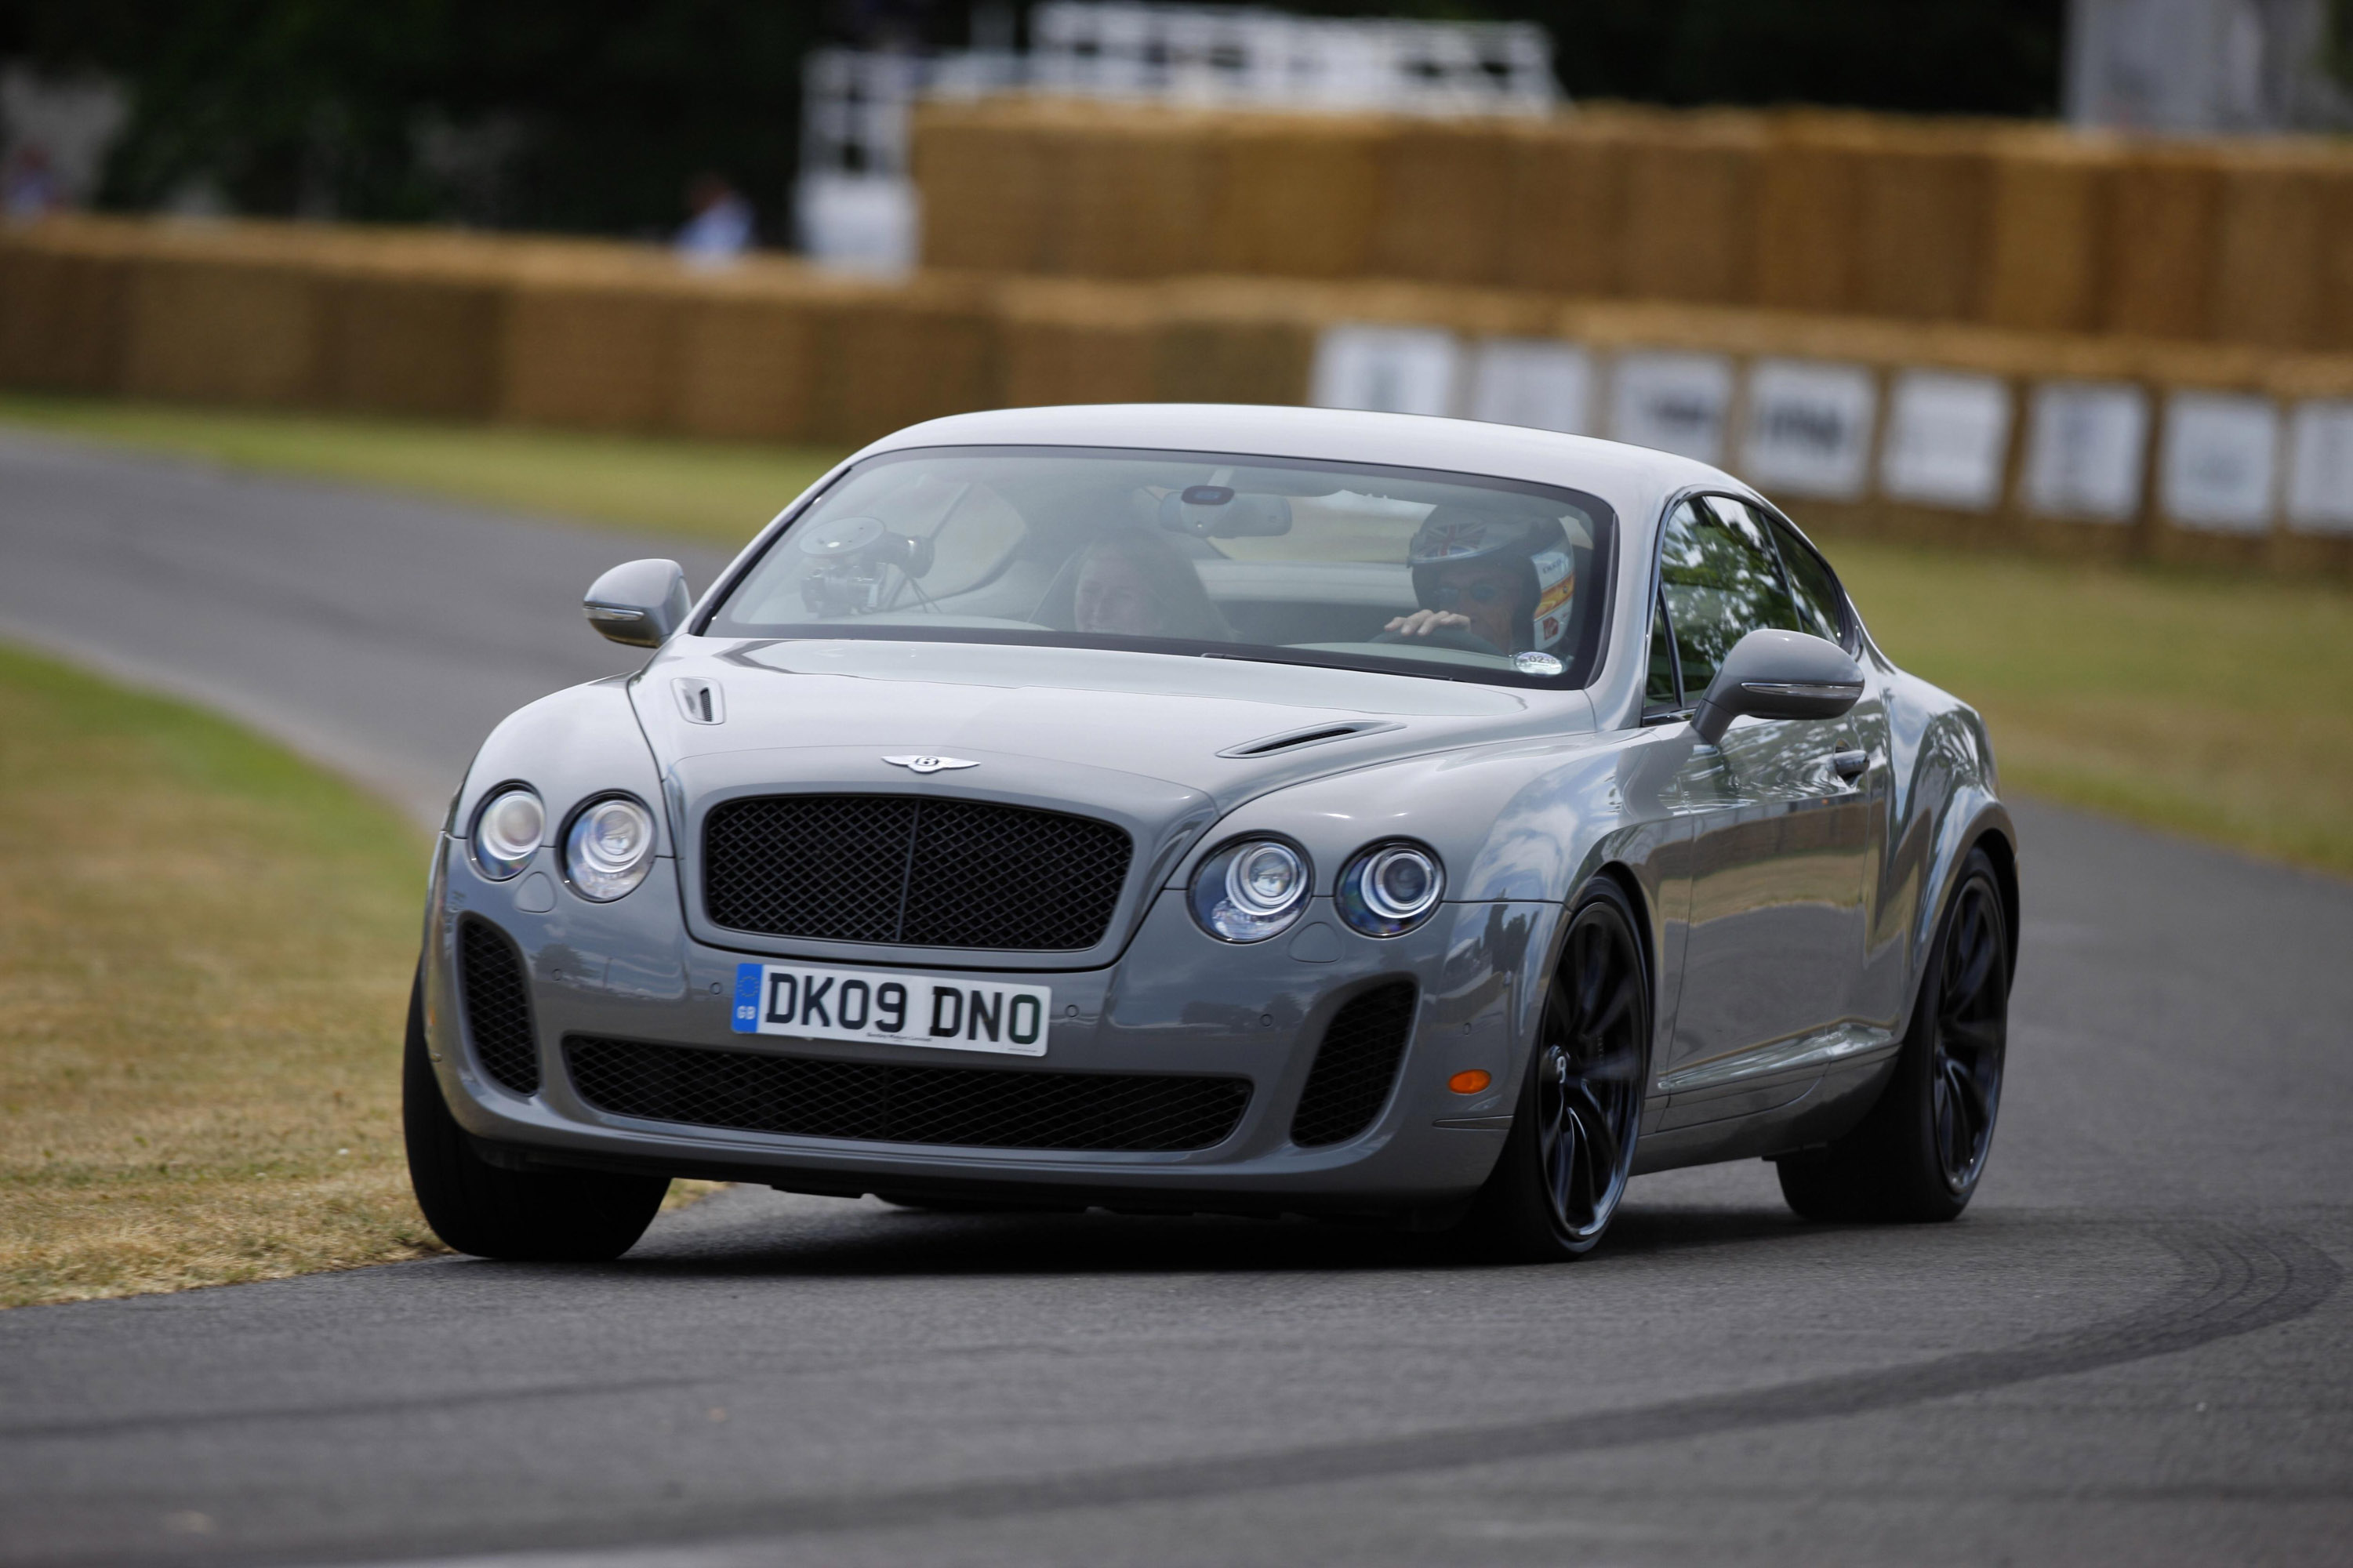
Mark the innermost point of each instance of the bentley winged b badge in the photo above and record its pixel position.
(929, 764)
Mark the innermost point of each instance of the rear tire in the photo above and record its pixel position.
(1918, 1154)
(535, 1217)
(1564, 1165)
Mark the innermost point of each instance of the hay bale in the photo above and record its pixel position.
(981, 169)
(1922, 204)
(748, 357)
(591, 348)
(64, 303)
(2046, 227)
(1446, 204)
(224, 321)
(1077, 343)
(1690, 208)
(417, 335)
(1807, 211)
(1563, 205)
(1299, 196)
(2158, 267)
(2267, 246)
(1131, 195)
(896, 357)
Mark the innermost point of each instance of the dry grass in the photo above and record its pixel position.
(204, 953)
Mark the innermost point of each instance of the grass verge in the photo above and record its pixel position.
(205, 946)
(714, 493)
(205, 956)
(2218, 704)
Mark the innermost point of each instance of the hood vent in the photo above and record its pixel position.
(700, 701)
(1292, 740)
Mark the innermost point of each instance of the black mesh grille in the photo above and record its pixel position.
(1355, 1067)
(497, 1006)
(914, 870)
(976, 1107)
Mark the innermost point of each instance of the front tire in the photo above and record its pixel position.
(1918, 1154)
(535, 1217)
(1571, 1149)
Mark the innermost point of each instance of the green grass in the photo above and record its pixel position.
(2218, 704)
(711, 493)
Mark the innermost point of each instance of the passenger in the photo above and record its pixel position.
(1508, 581)
(1134, 584)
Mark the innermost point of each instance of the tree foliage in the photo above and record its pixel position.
(592, 114)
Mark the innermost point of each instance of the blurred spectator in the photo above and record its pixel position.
(721, 229)
(29, 187)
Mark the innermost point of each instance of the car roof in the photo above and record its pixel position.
(1631, 479)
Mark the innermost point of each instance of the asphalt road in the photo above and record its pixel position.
(2133, 1348)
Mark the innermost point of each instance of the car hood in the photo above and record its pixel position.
(1217, 729)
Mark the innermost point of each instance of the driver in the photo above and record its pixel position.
(1509, 581)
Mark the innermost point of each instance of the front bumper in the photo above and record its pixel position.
(1176, 1001)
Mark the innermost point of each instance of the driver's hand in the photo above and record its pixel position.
(1421, 623)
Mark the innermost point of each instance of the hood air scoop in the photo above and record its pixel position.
(1316, 736)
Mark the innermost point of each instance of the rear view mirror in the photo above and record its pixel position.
(639, 602)
(1778, 675)
(1215, 511)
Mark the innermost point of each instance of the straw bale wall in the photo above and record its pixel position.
(2001, 225)
(2079, 441)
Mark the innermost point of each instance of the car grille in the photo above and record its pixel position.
(976, 1107)
(497, 1006)
(1355, 1067)
(914, 870)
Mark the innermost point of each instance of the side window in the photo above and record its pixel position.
(1822, 607)
(1662, 691)
(1720, 580)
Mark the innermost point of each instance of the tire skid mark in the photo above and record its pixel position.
(2231, 1284)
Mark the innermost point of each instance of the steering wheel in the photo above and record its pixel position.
(1460, 638)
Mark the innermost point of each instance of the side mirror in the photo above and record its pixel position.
(639, 602)
(1778, 675)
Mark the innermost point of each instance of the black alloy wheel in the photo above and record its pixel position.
(1565, 1166)
(1919, 1152)
(1971, 1031)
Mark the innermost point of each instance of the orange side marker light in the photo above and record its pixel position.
(1470, 1082)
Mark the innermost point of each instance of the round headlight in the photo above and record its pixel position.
(506, 833)
(1250, 890)
(1390, 888)
(609, 848)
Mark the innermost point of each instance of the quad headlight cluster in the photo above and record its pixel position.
(607, 849)
(1257, 887)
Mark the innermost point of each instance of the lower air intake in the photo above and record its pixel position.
(496, 1005)
(1355, 1067)
(980, 1108)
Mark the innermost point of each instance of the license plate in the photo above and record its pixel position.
(895, 1009)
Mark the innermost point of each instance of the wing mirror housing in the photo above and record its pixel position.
(1778, 675)
(639, 602)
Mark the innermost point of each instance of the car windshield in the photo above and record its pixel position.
(1430, 573)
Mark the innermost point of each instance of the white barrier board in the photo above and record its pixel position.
(2320, 468)
(1388, 370)
(2220, 468)
(1532, 383)
(2083, 460)
(1672, 402)
(1809, 427)
(1948, 436)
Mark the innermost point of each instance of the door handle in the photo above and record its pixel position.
(1849, 765)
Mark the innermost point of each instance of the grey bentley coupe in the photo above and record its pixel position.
(1223, 809)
